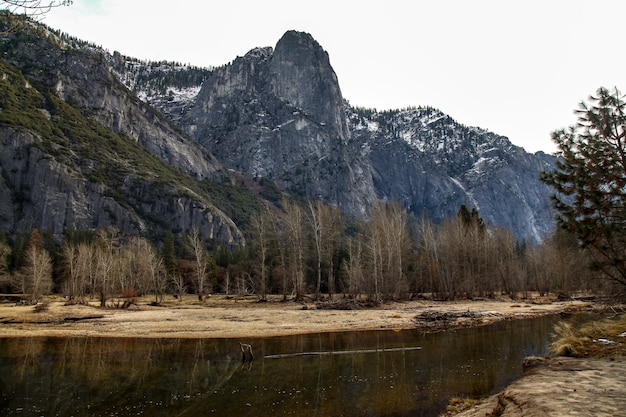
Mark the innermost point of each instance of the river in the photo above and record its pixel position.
(382, 373)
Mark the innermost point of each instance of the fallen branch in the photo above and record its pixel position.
(95, 316)
(341, 352)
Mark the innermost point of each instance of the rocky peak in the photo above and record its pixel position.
(279, 113)
(300, 73)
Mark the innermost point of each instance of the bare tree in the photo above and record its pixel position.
(104, 264)
(318, 228)
(200, 258)
(295, 227)
(353, 266)
(332, 221)
(279, 237)
(262, 230)
(178, 285)
(388, 242)
(156, 273)
(508, 273)
(325, 227)
(86, 266)
(5, 252)
(429, 261)
(36, 277)
(36, 9)
(72, 283)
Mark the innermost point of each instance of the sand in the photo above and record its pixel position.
(560, 387)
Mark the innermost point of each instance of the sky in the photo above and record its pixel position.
(516, 68)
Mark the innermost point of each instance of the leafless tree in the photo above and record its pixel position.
(104, 265)
(318, 229)
(84, 270)
(147, 268)
(262, 230)
(387, 244)
(200, 259)
(34, 8)
(178, 285)
(72, 282)
(325, 228)
(428, 256)
(279, 237)
(294, 219)
(353, 266)
(333, 224)
(5, 252)
(508, 271)
(37, 274)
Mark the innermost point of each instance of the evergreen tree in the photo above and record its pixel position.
(590, 181)
(168, 253)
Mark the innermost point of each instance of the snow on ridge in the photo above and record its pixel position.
(184, 94)
(467, 193)
(372, 125)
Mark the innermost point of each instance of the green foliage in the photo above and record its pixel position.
(590, 180)
(21, 105)
(470, 219)
(130, 174)
(235, 200)
(270, 191)
(168, 253)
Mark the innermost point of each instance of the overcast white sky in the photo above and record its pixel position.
(517, 68)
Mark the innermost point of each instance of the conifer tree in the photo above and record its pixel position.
(590, 181)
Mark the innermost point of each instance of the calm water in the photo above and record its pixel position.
(385, 373)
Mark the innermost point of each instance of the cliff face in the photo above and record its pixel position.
(280, 114)
(78, 149)
(433, 164)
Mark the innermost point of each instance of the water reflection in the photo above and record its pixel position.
(385, 373)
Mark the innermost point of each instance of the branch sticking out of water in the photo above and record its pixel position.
(341, 352)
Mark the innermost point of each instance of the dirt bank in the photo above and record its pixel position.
(562, 387)
(225, 317)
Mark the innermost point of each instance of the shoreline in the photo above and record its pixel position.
(227, 317)
(560, 387)
(549, 386)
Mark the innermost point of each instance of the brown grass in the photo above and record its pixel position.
(458, 405)
(594, 339)
(242, 316)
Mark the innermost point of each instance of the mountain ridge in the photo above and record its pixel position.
(443, 165)
(277, 114)
(111, 159)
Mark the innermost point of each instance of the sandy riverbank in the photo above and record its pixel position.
(553, 387)
(225, 317)
(562, 387)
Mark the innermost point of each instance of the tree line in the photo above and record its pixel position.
(300, 250)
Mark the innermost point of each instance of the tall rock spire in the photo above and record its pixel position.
(278, 113)
(300, 72)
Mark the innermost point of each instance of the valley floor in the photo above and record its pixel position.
(229, 317)
(551, 387)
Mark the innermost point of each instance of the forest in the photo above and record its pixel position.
(302, 250)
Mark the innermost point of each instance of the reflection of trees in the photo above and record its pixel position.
(100, 373)
(160, 377)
